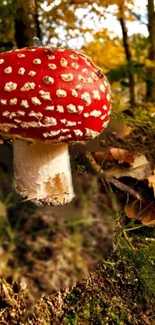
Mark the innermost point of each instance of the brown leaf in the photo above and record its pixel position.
(143, 211)
(151, 180)
(122, 155)
(140, 169)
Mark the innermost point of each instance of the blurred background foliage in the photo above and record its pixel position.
(128, 60)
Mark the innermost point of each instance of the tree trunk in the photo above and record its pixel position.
(38, 29)
(150, 94)
(26, 23)
(128, 56)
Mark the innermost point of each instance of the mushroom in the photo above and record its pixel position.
(49, 98)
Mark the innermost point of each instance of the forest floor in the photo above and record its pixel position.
(93, 261)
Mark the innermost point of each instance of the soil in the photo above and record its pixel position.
(79, 264)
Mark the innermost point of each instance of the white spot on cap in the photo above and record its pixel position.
(78, 87)
(20, 113)
(74, 56)
(1, 61)
(105, 107)
(48, 80)
(32, 73)
(50, 121)
(32, 124)
(80, 108)
(64, 137)
(96, 94)
(12, 115)
(60, 109)
(86, 96)
(70, 123)
(86, 115)
(103, 116)
(85, 71)
(71, 108)
(108, 97)
(52, 66)
(3, 101)
(75, 65)
(65, 130)
(28, 86)
(67, 77)
(51, 134)
(37, 61)
(49, 108)
(91, 134)
(106, 82)
(35, 101)
(24, 103)
(94, 76)
(21, 71)
(78, 133)
(31, 50)
(63, 62)
(45, 95)
(95, 113)
(104, 125)
(7, 126)
(87, 62)
(10, 86)
(38, 115)
(63, 121)
(90, 80)
(61, 93)
(8, 70)
(21, 55)
(81, 78)
(17, 120)
(13, 101)
(51, 57)
(102, 88)
(74, 93)
(6, 114)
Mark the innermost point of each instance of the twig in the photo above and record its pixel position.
(128, 240)
(105, 177)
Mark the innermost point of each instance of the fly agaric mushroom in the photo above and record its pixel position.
(49, 98)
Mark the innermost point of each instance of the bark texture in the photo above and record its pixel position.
(150, 95)
(128, 55)
(27, 23)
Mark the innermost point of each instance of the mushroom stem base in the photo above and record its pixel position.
(42, 172)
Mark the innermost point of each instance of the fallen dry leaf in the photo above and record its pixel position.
(143, 211)
(141, 169)
(122, 155)
(151, 180)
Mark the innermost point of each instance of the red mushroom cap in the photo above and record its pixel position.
(52, 94)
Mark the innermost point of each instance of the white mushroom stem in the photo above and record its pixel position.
(42, 172)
